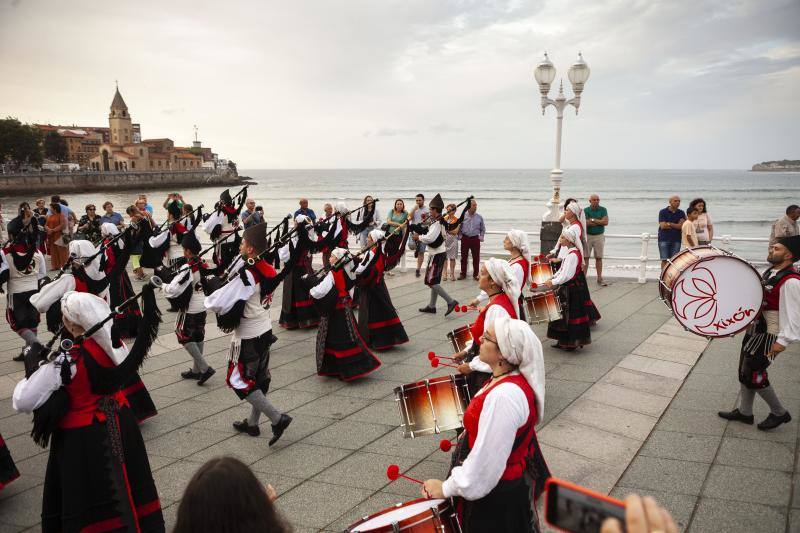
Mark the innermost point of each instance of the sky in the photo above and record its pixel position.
(418, 83)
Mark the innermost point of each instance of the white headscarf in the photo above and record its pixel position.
(341, 207)
(520, 346)
(86, 310)
(519, 240)
(376, 234)
(82, 249)
(500, 271)
(107, 228)
(339, 253)
(570, 234)
(299, 219)
(581, 216)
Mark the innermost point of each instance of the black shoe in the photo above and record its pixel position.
(279, 428)
(773, 421)
(190, 374)
(417, 273)
(736, 416)
(462, 276)
(244, 427)
(20, 358)
(428, 309)
(206, 376)
(452, 305)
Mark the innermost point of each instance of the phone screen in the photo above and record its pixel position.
(578, 512)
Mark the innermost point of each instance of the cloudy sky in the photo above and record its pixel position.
(418, 83)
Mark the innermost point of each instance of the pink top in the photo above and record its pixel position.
(701, 226)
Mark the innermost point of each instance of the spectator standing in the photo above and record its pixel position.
(451, 242)
(419, 213)
(89, 225)
(304, 210)
(173, 197)
(786, 226)
(371, 216)
(326, 254)
(138, 216)
(55, 226)
(471, 234)
(670, 222)
(396, 217)
(251, 216)
(688, 233)
(596, 222)
(147, 205)
(702, 226)
(111, 216)
(41, 212)
(225, 495)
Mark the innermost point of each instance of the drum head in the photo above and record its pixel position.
(396, 514)
(717, 296)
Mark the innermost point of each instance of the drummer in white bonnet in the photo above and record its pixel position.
(500, 437)
(776, 328)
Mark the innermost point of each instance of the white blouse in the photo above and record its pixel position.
(569, 269)
(789, 312)
(504, 411)
(31, 393)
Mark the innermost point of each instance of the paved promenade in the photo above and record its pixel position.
(635, 411)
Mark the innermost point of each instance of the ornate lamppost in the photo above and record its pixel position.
(545, 73)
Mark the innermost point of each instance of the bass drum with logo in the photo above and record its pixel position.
(711, 292)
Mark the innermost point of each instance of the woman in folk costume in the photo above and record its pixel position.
(297, 307)
(185, 293)
(572, 330)
(515, 243)
(499, 282)
(98, 477)
(167, 245)
(498, 468)
(242, 307)
(433, 237)
(8, 470)
(113, 261)
(333, 233)
(341, 350)
(82, 276)
(22, 265)
(378, 322)
(223, 221)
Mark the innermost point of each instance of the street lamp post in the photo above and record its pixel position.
(545, 73)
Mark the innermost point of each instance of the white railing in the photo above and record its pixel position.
(642, 261)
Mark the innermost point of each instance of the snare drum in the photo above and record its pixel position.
(541, 270)
(460, 338)
(543, 307)
(711, 292)
(417, 516)
(432, 405)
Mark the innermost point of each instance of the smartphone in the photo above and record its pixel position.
(576, 509)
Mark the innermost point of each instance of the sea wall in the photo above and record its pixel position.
(62, 182)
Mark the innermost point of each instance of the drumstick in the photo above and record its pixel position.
(436, 363)
(393, 472)
(465, 308)
(432, 356)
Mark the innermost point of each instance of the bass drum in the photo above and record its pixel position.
(711, 292)
(417, 516)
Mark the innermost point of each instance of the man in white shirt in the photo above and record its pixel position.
(776, 328)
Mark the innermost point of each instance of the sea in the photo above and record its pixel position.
(741, 203)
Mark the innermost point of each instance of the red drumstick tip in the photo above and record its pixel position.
(435, 362)
(533, 285)
(431, 355)
(464, 309)
(393, 472)
(445, 445)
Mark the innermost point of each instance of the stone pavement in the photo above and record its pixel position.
(613, 413)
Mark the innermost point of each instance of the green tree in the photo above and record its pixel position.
(20, 143)
(55, 147)
(232, 166)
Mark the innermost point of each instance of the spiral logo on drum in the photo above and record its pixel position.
(695, 297)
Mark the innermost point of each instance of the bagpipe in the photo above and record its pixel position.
(423, 226)
(314, 277)
(218, 207)
(199, 210)
(324, 225)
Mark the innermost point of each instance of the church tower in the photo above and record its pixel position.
(119, 121)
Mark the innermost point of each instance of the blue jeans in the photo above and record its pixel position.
(668, 248)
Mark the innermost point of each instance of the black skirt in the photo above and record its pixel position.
(378, 322)
(8, 470)
(84, 482)
(297, 307)
(190, 327)
(141, 403)
(248, 362)
(23, 315)
(433, 274)
(572, 330)
(341, 351)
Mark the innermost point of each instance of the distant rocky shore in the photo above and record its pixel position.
(785, 165)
